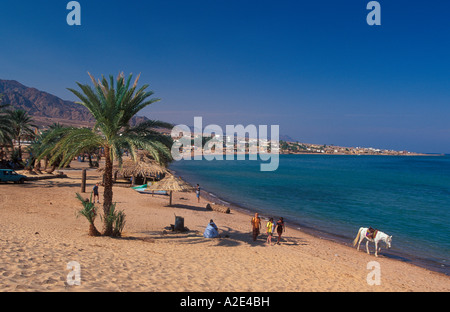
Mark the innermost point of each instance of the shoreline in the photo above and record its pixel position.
(314, 231)
(41, 235)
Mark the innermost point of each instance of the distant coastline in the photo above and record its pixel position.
(296, 148)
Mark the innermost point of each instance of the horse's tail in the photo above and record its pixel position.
(357, 237)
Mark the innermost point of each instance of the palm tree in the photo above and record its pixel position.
(51, 136)
(22, 126)
(6, 133)
(113, 104)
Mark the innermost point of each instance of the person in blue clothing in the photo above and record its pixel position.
(211, 230)
(197, 191)
(95, 189)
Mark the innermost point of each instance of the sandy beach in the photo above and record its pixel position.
(41, 235)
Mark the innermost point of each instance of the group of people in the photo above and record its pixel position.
(270, 228)
(212, 231)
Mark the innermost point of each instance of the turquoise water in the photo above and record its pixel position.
(406, 197)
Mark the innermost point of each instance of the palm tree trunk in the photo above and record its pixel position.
(107, 193)
(91, 165)
(53, 168)
(20, 149)
(45, 163)
(93, 230)
(37, 166)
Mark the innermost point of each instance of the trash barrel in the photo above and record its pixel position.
(179, 224)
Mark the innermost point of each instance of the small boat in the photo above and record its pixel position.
(143, 190)
(139, 187)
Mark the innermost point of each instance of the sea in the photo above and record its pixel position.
(332, 196)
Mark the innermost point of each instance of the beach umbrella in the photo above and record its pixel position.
(171, 184)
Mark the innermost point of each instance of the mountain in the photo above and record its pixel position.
(45, 107)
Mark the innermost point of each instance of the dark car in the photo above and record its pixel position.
(9, 175)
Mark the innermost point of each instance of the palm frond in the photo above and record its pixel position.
(73, 142)
(89, 211)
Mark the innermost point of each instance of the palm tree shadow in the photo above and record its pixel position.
(234, 238)
(228, 238)
(52, 182)
(190, 207)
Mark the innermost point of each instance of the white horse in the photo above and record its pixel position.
(380, 236)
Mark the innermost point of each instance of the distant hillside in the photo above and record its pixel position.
(45, 107)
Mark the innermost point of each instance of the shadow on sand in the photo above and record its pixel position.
(189, 207)
(228, 238)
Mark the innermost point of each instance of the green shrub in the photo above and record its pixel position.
(115, 220)
(89, 211)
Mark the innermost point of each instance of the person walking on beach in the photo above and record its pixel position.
(197, 191)
(256, 225)
(269, 231)
(95, 189)
(280, 229)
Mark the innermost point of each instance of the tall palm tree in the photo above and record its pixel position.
(6, 132)
(112, 104)
(22, 126)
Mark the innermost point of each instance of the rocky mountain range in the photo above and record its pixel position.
(45, 107)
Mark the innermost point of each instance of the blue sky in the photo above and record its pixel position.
(313, 67)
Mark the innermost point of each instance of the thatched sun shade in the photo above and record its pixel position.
(171, 184)
(141, 168)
